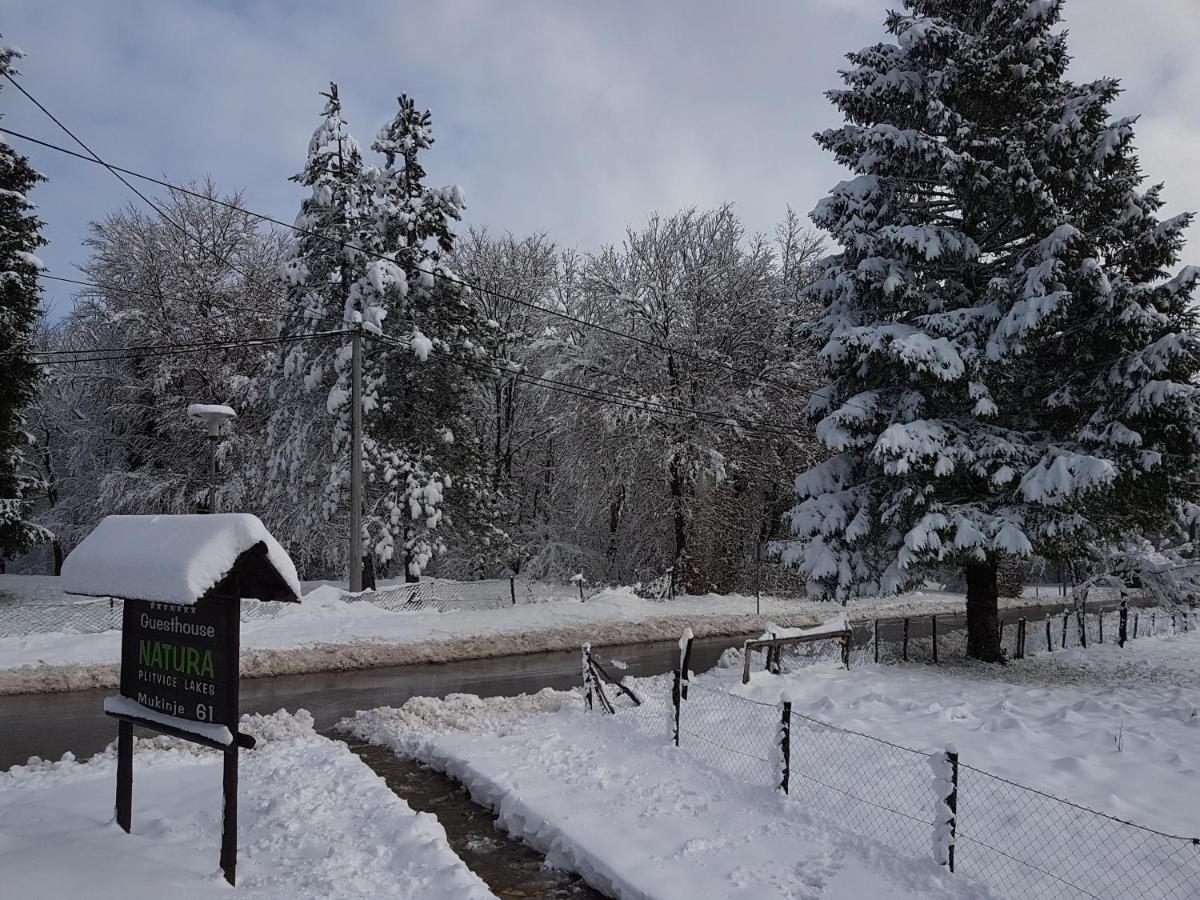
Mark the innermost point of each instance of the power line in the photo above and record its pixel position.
(629, 402)
(143, 351)
(599, 395)
(105, 288)
(117, 173)
(798, 391)
(453, 279)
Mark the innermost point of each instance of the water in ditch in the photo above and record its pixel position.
(510, 868)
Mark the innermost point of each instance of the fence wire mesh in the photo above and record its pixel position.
(1017, 839)
(93, 616)
(99, 615)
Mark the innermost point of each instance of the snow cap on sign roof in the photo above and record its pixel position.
(179, 559)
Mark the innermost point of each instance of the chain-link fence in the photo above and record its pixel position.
(496, 593)
(93, 616)
(1023, 632)
(1017, 839)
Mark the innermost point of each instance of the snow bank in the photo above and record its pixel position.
(326, 633)
(168, 559)
(314, 822)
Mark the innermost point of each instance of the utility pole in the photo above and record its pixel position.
(356, 556)
(355, 561)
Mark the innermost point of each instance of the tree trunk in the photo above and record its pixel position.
(58, 556)
(983, 614)
(679, 518)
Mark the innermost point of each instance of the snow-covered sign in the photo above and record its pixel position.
(182, 579)
(179, 559)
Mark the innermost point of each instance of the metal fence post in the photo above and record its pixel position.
(785, 746)
(512, 589)
(952, 803)
(679, 693)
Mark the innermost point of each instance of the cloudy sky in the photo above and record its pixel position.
(572, 118)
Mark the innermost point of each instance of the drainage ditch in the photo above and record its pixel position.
(508, 866)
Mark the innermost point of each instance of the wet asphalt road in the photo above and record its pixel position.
(47, 725)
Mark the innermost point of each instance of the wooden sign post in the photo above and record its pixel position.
(182, 662)
(180, 643)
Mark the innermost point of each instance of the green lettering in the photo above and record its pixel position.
(206, 667)
(143, 653)
(193, 661)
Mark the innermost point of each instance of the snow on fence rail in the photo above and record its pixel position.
(1020, 840)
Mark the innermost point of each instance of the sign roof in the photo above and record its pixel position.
(180, 559)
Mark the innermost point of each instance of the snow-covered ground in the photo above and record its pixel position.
(314, 822)
(1112, 730)
(325, 633)
(633, 816)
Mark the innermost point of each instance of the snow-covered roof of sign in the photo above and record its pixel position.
(180, 559)
(200, 410)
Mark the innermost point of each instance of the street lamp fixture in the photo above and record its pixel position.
(212, 414)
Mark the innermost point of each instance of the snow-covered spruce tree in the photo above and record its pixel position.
(432, 484)
(1011, 362)
(20, 295)
(369, 256)
(308, 432)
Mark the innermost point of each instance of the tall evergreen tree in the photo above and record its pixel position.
(308, 432)
(416, 315)
(1010, 360)
(20, 295)
(434, 481)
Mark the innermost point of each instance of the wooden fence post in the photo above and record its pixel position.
(876, 641)
(785, 747)
(675, 699)
(1136, 616)
(904, 654)
(1123, 630)
(1066, 619)
(587, 675)
(933, 627)
(512, 589)
(1100, 616)
(1020, 638)
(1049, 640)
(846, 646)
(1081, 620)
(124, 775)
